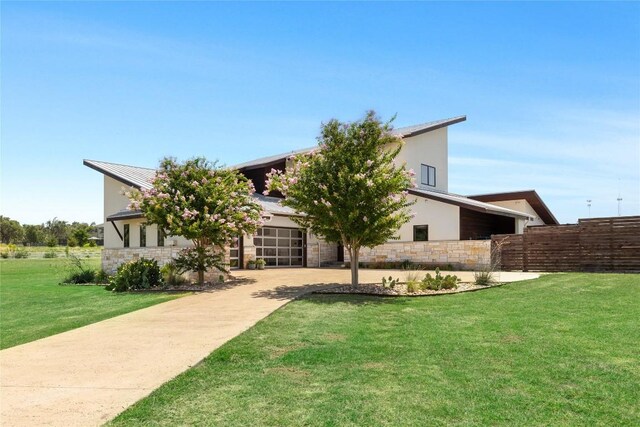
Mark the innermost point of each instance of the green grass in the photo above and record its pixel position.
(560, 350)
(33, 305)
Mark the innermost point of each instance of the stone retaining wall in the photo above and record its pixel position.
(462, 254)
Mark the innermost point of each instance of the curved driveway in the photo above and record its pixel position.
(88, 375)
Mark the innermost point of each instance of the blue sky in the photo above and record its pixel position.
(551, 91)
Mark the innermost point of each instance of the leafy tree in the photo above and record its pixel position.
(33, 234)
(80, 233)
(10, 230)
(56, 229)
(349, 190)
(203, 202)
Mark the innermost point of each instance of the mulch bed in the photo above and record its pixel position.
(400, 290)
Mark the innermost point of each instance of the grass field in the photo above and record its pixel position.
(559, 350)
(33, 305)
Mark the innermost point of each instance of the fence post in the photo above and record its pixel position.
(525, 260)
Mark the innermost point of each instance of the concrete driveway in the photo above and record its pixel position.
(87, 376)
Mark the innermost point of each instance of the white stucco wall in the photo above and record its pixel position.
(521, 206)
(431, 149)
(115, 201)
(443, 220)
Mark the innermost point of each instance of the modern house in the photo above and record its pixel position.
(448, 228)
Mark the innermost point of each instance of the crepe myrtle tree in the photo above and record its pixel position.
(203, 202)
(349, 190)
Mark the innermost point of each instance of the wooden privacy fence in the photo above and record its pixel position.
(594, 244)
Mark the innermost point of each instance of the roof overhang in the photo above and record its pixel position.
(132, 176)
(464, 202)
(531, 196)
(124, 215)
(403, 132)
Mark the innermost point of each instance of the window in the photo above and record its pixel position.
(126, 235)
(420, 233)
(428, 175)
(160, 236)
(143, 235)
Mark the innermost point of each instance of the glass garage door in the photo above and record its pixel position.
(280, 247)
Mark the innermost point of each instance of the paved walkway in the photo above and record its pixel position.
(87, 376)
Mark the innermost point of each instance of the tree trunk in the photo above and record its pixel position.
(201, 277)
(354, 255)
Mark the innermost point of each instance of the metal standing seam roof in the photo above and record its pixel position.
(468, 203)
(134, 176)
(403, 132)
(141, 178)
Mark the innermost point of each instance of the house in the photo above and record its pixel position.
(447, 229)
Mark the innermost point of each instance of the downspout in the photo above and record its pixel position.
(318, 243)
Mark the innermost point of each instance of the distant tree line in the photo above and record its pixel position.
(51, 233)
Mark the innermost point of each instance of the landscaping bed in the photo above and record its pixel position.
(400, 290)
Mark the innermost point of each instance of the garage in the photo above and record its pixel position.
(280, 246)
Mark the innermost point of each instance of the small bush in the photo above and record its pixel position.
(171, 275)
(406, 264)
(4, 254)
(21, 253)
(81, 277)
(136, 275)
(484, 278)
(101, 277)
(438, 282)
(413, 286)
(50, 254)
(412, 276)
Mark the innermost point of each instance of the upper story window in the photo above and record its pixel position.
(143, 235)
(126, 236)
(420, 233)
(428, 175)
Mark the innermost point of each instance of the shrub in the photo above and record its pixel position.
(413, 286)
(484, 278)
(80, 277)
(102, 277)
(171, 275)
(52, 242)
(438, 282)
(4, 254)
(135, 275)
(50, 254)
(406, 264)
(21, 253)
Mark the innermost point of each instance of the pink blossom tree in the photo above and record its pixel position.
(202, 202)
(350, 190)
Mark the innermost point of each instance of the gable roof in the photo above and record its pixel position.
(403, 132)
(468, 203)
(531, 196)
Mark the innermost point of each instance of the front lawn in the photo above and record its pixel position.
(560, 350)
(33, 305)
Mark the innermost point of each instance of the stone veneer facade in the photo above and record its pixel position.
(462, 254)
(113, 257)
(328, 253)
